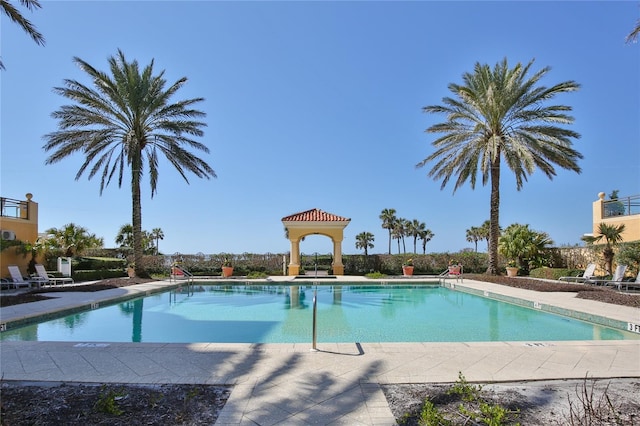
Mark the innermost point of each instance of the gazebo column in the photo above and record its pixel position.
(338, 267)
(294, 263)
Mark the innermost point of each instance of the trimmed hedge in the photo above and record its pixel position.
(554, 273)
(99, 274)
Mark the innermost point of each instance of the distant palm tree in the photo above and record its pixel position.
(415, 229)
(402, 229)
(128, 119)
(388, 217)
(157, 234)
(13, 14)
(474, 234)
(499, 116)
(485, 231)
(364, 240)
(124, 238)
(71, 239)
(612, 236)
(426, 236)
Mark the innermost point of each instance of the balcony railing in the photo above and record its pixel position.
(624, 206)
(14, 208)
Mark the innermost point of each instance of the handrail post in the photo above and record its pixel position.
(315, 309)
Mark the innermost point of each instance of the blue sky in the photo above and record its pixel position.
(318, 105)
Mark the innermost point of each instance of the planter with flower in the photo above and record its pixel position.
(512, 268)
(227, 267)
(407, 267)
(454, 268)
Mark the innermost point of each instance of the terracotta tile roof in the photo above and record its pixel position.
(314, 215)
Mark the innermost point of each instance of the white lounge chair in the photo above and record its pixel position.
(50, 279)
(635, 285)
(588, 274)
(19, 280)
(616, 280)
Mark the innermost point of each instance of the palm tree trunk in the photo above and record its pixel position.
(136, 219)
(389, 240)
(494, 216)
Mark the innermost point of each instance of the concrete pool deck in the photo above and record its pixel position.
(337, 384)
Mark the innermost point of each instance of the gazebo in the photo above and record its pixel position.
(315, 222)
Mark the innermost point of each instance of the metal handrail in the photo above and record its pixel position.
(623, 206)
(10, 207)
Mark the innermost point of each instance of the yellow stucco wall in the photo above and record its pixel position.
(26, 229)
(631, 222)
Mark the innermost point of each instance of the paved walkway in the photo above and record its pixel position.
(338, 384)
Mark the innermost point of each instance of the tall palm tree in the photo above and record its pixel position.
(12, 12)
(388, 217)
(157, 235)
(415, 229)
(364, 240)
(72, 239)
(128, 120)
(612, 236)
(500, 116)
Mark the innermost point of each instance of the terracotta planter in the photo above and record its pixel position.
(407, 271)
(227, 271)
(512, 271)
(455, 270)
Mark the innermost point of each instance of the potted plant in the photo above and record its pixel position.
(407, 267)
(227, 267)
(512, 268)
(454, 268)
(131, 270)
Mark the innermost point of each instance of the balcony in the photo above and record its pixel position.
(15, 209)
(625, 206)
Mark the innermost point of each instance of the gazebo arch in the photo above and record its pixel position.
(315, 222)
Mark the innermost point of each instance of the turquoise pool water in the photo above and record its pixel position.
(281, 314)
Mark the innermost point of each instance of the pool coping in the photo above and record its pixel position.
(621, 318)
(68, 303)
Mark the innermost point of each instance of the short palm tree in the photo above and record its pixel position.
(127, 121)
(388, 217)
(12, 12)
(499, 116)
(612, 236)
(71, 239)
(124, 238)
(525, 246)
(364, 240)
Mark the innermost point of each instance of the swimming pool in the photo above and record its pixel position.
(283, 314)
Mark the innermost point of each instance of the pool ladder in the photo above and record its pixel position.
(177, 271)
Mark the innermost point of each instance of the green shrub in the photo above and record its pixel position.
(554, 273)
(375, 275)
(101, 274)
(92, 263)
